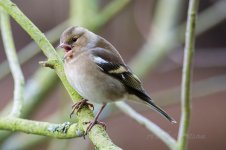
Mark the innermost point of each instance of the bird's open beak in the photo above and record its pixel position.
(68, 54)
(66, 47)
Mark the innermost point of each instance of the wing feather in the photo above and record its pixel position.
(124, 75)
(131, 82)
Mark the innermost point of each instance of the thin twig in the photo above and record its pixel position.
(187, 73)
(14, 65)
(160, 133)
(31, 49)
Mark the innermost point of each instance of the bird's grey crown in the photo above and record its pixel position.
(74, 30)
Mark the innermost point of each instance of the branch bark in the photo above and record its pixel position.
(18, 77)
(40, 128)
(187, 73)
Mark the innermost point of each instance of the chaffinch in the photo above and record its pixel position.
(98, 73)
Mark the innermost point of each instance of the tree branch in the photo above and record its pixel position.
(97, 135)
(156, 130)
(40, 128)
(34, 95)
(31, 49)
(187, 73)
(14, 65)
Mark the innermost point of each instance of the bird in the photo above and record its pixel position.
(96, 70)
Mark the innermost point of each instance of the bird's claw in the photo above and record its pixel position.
(91, 124)
(77, 106)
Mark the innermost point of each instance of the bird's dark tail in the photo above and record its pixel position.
(158, 109)
(149, 102)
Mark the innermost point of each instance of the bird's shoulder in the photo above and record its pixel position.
(113, 66)
(107, 51)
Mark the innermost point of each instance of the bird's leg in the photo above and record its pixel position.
(77, 106)
(95, 121)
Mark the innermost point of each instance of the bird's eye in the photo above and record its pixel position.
(74, 39)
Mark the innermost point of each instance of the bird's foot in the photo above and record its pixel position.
(77, 106)
(92, 123)
(95, 121)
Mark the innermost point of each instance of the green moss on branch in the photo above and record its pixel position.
(39, 128)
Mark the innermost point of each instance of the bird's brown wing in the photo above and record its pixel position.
(122, 73)
(110, 55)
(131, 82)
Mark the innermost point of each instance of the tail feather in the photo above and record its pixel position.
(140, 93)
(158, 109)
(149, 102)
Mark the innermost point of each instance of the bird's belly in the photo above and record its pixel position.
(95, 85)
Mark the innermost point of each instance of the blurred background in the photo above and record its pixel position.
(149, 34)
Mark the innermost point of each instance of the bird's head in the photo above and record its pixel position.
(77, 37)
